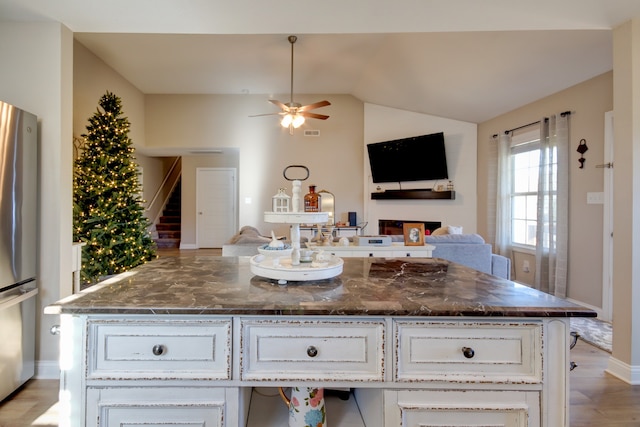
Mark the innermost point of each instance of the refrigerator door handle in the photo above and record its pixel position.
(25, 295)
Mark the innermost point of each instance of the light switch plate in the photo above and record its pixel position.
(595, 198)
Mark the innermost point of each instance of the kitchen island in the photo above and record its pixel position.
(184, 340)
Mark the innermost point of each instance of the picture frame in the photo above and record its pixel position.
(413, 233)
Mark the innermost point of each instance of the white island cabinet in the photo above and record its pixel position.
(395, 332)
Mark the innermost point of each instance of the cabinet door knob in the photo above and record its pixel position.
(468, 352)
(158, 349)
(55, 330)
(312, 351)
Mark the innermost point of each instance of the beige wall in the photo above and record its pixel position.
(335, 161)
(588, 102)
(40, 83)
(384, 124)
(190, 164)
(625, 361)
(92, 79)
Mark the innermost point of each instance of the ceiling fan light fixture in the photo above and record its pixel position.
(293, 113)
(295, 120)
(298, 120)
(286, 120)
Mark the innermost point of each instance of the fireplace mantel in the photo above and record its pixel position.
(416, 193)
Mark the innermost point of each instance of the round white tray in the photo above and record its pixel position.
(281, 269)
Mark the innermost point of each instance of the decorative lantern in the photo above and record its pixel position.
(281, 201)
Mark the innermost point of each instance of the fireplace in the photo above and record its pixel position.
(394, 226)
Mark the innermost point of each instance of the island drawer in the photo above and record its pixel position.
(320, 350)
(468, 352)
(159, 349)
(166, 407)
(419, 408)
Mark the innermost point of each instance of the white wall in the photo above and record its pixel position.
(383, 124)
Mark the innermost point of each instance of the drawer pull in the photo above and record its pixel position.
(312, 351)
(158, 349)
(468, 352)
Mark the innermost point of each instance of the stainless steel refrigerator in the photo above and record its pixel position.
(18, 246)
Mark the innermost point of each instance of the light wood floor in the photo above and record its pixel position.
(597, 399)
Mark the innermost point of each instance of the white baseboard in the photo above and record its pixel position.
(188, 246)
(627, 373)
(47, 370)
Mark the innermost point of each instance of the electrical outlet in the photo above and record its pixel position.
(525, 266)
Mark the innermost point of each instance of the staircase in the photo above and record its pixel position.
(168, 227)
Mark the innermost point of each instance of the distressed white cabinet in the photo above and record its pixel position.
(175, 370)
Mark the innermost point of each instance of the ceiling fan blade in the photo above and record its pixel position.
(313, 115)
(314, 105)
(268, 114)
(279, 104)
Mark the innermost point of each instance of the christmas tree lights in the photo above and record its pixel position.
(107, 210)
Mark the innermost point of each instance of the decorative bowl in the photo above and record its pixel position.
(268, 251)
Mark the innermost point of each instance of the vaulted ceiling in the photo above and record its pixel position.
(463, 59)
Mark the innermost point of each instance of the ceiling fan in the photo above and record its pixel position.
(294, 113)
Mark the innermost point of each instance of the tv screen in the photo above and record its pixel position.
(419, 158)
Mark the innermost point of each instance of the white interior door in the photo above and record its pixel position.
(607, 223)
(215, 206)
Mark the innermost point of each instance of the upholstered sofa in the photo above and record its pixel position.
(245, 242)
(472, 251)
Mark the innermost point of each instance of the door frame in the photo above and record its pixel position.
(607, 220)
(234, 202)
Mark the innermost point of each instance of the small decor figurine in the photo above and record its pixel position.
(327, 238)
(281, 201)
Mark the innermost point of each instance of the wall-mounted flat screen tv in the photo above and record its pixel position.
(418, 158)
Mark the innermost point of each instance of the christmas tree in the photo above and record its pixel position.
(107, 209)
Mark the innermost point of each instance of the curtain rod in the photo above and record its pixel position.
(565, 113)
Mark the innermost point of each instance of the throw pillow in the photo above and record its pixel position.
(453, 229)
(440, 231)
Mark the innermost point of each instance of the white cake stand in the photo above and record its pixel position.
(283, 269)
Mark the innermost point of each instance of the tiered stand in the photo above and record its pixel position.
(284, 269)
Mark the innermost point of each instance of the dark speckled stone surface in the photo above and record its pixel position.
(367, 286)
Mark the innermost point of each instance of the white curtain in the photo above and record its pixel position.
(503, 196)
(553, 196)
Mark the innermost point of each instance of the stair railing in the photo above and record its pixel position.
(166, 187)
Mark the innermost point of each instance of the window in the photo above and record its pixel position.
(532, 197)
(524, 165)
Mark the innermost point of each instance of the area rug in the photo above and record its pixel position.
(593, 331)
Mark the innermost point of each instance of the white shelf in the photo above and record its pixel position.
(268, 410)
(296, 217)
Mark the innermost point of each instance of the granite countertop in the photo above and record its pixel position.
(367, 286)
